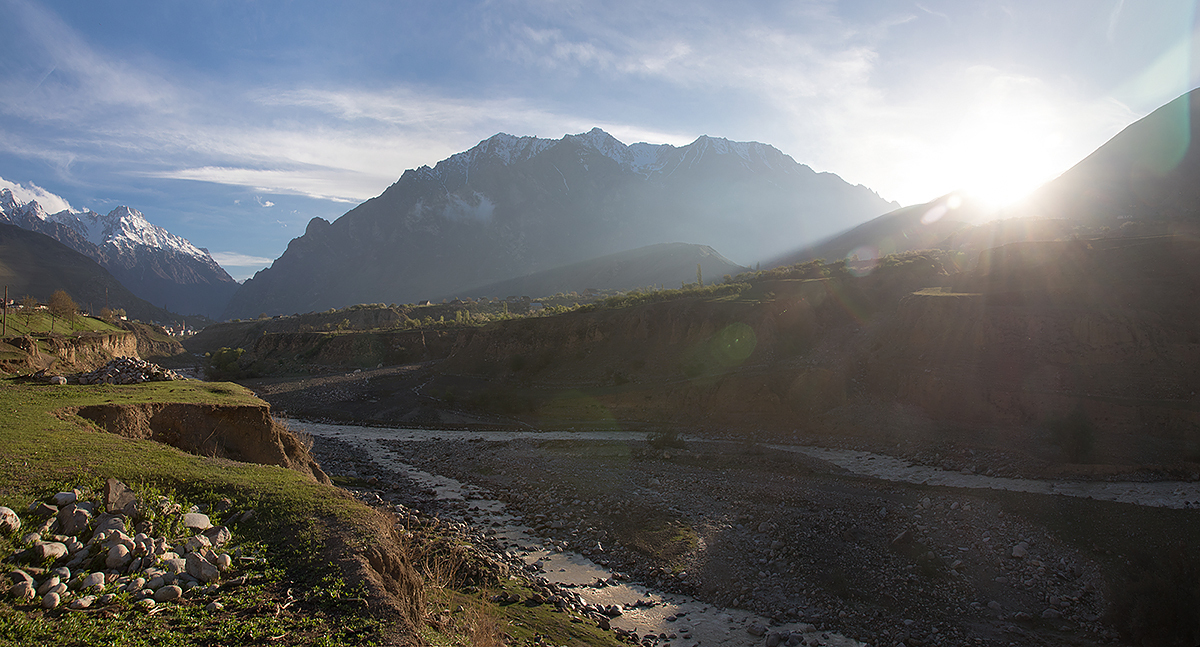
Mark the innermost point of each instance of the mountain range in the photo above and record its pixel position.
(35, 264)
(512, 206)
(156, 265)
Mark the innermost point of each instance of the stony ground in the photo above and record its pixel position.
(787, 537)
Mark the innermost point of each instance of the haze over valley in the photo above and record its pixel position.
(803, 323)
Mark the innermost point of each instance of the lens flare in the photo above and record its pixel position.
(734, 344)
(862, 260)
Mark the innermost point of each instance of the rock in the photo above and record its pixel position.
(176, 565)
(83, 602)
(196, 543)
(50, 600)
(65, 498)
(106, 599)
(214, 606)
(108, 522)
(224, 561)
(773, 639)
(22, 591)
(1020, 550)
(58, 379)
(994, 605)
(168, 593)
(118, 499)
(93, 581)
(50, 583)
(926, 503)
(156, 583)
(17, 576)
(1051, 614)
(118, 557)
(10, 523)
(201, 569)
(756, 630)
(41, 509)
(73, 519)
(146, 603)
(218, 535)
(196, 521)
(604, 623)
(49, 550)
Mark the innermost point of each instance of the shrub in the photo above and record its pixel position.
(665, 439)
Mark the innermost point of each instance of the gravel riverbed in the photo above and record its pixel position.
(773, 546)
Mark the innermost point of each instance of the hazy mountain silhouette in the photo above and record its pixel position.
(667, 265)
(1148, 171)
(511, 206)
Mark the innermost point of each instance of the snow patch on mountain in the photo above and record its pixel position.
(641, 158)
(123, 228)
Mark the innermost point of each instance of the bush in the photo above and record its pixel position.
(225, 364)
(665, 439)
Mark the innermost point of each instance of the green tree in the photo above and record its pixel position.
(28, 305)
(62, 306)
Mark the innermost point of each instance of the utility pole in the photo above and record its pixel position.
(5, 312)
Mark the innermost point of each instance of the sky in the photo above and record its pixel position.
(234, 123)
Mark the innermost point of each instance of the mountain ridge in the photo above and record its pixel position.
(511, 206)
(153, 263)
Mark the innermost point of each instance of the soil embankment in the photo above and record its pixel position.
(237, 432)
(83, 351)
(1057, 355)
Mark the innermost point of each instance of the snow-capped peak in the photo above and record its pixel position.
(123, 228)
(641, 158)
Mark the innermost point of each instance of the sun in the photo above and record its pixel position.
(1006, 154)
(999, 145)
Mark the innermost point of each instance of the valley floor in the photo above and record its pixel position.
(760, 527)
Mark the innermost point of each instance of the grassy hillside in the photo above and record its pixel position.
(317, 566)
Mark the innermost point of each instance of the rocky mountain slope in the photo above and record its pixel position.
(511, 206)
(153, 263)
(36, 264)
(1148, 171)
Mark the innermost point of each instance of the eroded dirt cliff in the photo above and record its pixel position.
(237, 432)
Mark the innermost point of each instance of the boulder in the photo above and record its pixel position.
(10, 523)
(118, 499)
(168, 593)
(196, 521)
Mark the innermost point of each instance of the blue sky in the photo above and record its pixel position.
(234, 123)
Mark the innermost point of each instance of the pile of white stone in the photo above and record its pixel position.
(129, 370)
(85, 553)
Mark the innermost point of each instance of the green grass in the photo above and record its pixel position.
(42, 453)
(40, 321)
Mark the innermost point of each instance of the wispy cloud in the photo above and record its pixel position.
(29, 191)
(236, 259)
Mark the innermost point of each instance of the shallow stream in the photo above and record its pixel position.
(688, 620)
